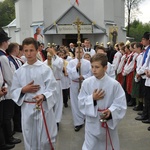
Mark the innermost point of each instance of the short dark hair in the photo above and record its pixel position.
(127, 46)
(123, 48)
(102, 58)
(132, 44)
(100, 47)
(138, 44)
(11, 47)
(30, 40)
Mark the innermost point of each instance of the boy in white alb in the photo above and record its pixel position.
(75, 76)
(33, 88)
(101, 95)
(57, 68)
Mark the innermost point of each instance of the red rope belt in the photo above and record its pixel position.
(45, 123)
(105, 125)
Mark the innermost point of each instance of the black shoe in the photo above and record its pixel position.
(131, 103)
(77, 128)
(66, 105)
(137, 108)
(140, 118)
(13, 140)
(148, 128)
(140, 113)
(146, 121)
(7, 146)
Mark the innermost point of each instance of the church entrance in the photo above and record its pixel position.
(70, 38)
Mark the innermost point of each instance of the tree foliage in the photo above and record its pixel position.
(137, 29)
(131, 7)
(7, 11)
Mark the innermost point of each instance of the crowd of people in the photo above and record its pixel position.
(37, 82)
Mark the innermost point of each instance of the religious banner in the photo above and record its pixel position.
(113, 34)
(72, 29)
(38, 33)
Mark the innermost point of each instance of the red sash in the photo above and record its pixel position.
(104, 125)
(45, 123)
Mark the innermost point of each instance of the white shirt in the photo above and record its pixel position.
(116, 60)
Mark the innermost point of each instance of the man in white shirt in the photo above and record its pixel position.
(87, 48)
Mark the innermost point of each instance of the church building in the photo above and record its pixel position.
(102, 20)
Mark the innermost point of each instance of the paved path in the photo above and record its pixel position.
(133, 134)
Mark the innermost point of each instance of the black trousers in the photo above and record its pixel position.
(65, 95)
(146, 110)
(17, 117)
(8, 113)
(2, 138)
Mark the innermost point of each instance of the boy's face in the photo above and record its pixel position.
(77, 53)
(30, 53)
(98, 70)
(87, 44)
(61, 55)
(145, 42)
(87, 57)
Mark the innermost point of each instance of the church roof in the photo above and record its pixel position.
(69, 17)
(12, 24)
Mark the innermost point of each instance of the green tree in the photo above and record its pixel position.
(7, 11)
(137, 29)
(131, 8)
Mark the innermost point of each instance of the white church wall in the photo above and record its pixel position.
(18, 40)
(48, 11)
(109, 10)
(17, 13)
(25, 19)
(37, 11)
(98, 16)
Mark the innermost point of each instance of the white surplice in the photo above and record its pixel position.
(34, 132)
(114, 100)
(57, 68)
(121, 64)
(78, 117)
(111, 70)
(91, 52)
(116, 60)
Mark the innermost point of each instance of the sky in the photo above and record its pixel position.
(144, 8)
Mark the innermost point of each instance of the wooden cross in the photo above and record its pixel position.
(79, 23)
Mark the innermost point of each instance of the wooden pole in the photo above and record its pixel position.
(79, 23)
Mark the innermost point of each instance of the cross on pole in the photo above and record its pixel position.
(79, 23)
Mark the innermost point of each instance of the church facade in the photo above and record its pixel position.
(103, 20)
